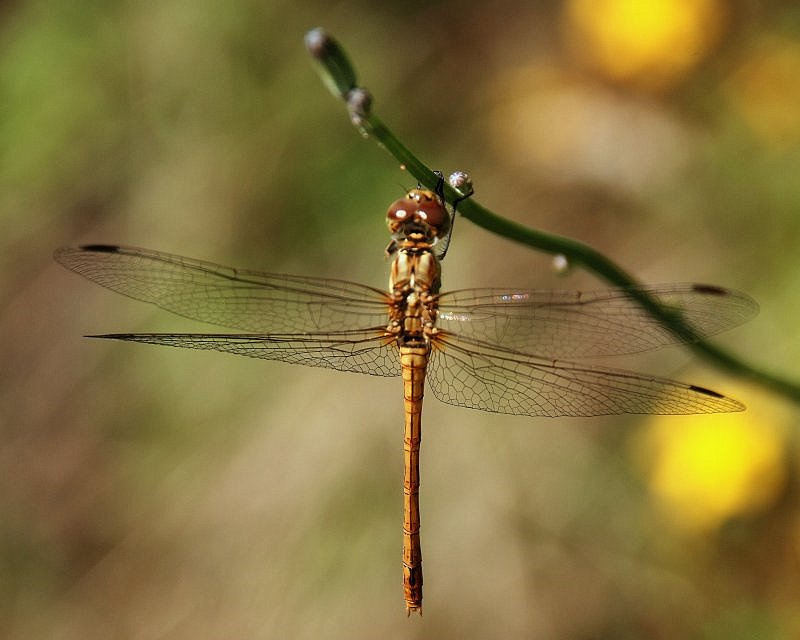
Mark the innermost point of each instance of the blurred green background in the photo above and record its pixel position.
(157, 493)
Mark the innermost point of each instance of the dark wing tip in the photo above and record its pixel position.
(710, 289)
(101, 248)
(730, 404)
(70, 256)
(705, 391)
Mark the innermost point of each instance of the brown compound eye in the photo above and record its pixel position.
(431, 209)
(421, 206)
(401, 210)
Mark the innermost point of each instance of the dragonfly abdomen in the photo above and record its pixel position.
(413, 361)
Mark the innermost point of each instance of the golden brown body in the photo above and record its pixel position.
(414, 283)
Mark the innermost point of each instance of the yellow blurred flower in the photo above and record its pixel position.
(649, 43)
(707, 469)
(766, 90)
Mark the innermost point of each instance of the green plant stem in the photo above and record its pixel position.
(340, 77)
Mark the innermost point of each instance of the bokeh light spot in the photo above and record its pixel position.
(766, 91)
(650, 44)
(708, 469)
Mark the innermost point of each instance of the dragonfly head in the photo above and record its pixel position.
(421, 215)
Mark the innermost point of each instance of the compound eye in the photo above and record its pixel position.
(401, 210)
(431, 209)
(420, 207)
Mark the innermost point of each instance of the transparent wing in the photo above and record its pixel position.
(469, 374)
(369, 352)
(246, 300)
(572, 324)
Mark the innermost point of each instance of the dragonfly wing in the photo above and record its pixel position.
(471, 375)
(246, 300)
(370, 352)
(573, 324)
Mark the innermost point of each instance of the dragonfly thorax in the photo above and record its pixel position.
(415, 269)
(414, 281)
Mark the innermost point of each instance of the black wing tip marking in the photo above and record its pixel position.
(101, 248)
(63, 254)
(711, 289)
(733, 405)
(705, 391)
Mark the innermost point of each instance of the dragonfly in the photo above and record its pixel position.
(505, 350)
